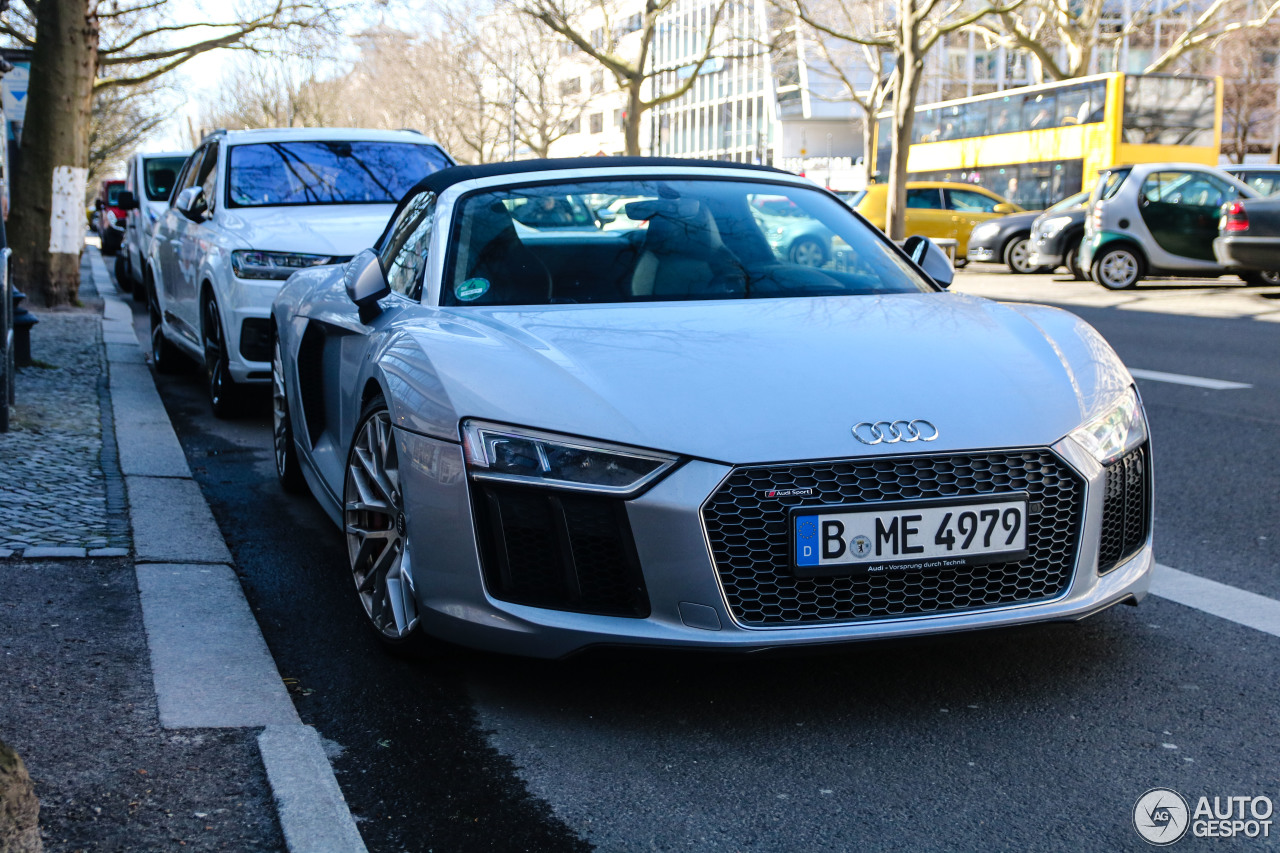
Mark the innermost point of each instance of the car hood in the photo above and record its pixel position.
(1014, 220)
(321, 229)
(770, 379)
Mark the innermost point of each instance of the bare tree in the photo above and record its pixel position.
(131, 42)
(623, 48)
(1249, 98)
(120, 119)
(916, 27)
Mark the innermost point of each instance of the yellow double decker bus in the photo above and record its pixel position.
(1039, 144)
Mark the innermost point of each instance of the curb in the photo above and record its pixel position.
(209, 663)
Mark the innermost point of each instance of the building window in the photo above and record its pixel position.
(572, 86)
(617, 118)
(574, 126)
(595, 122)
(597, 82)
(568, 48)
(597, 38)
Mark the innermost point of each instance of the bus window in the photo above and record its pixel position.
(926, 129)
(975, 119)
(1037, 112)
(1006, 114)
(1097, 102)
(1073, 106)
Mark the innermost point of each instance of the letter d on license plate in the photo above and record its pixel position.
(908, 535)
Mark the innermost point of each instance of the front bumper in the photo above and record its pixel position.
(246, 312)
(1258, 254)
(687, 603)
(985, 251)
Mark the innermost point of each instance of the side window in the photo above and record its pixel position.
(928, 199)
(208, 179)
(1159, 186)
(188, 177)
(970, 201)
(404, 257)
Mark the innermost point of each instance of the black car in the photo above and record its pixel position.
(1056, 234)
(1248, 241)
(1007, 240)
(1265, 178)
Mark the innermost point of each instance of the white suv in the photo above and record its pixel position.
(250, 208)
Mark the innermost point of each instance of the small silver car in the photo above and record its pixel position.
(1156, 219)
(537, 440)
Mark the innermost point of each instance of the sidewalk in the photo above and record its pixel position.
(134, 681)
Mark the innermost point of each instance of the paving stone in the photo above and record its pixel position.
(46, 553)
(109, 552)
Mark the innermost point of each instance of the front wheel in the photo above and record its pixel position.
(807, 252)
(224, 393)
(1017, 255)
(1261, 279)
(287, 470)
(1072, 263)
(1117, 268)
(124, 281)
(164, 355)
(377, 530)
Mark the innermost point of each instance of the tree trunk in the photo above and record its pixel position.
(906, 87)
(46, 227)
(631, 122)
(19, 808)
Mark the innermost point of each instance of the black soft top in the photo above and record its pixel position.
(438, 182)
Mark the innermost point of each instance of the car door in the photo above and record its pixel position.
(167, 238)
(927, 214)
(191, 245)
(968, 208)
(1181, 207)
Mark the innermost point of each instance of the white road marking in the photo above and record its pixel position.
(1195, 381)
(1218, 599)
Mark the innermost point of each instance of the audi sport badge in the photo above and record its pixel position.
(788, 493)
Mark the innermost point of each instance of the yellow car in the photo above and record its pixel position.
(939, 210)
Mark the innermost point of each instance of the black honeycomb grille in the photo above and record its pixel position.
(1126, 513)
(749, 537)
(557, 550)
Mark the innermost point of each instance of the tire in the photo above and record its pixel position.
(165, 357)
(1072, 262)
(377, 532)
(807, 252)
(1117, 268)
(287, 469)
(224, 394)
(124, 281)
(1017, 255)
(1261, 279)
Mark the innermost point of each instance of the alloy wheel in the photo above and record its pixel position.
(808, 253)
(1018, 255)
(376, 530)
(287, 469)
(1118, 269)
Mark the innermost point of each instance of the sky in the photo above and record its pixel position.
(198, 80)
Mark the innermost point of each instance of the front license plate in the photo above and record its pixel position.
(908, 536)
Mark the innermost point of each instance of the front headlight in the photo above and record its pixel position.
(1053, 225)
(1119, 429)
(251, 263)
(984, 231)
(515, 454)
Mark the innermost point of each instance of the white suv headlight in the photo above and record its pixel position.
(1120, 428)
(498, 452)
(251, 263)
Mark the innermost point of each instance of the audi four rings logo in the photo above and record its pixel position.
(892, 432)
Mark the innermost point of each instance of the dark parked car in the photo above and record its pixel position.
(1008, 239)
(1263, 178)
(1056, 235)
(1248, 241)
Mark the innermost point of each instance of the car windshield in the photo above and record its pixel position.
(676, 239)
(1069, 202)
(159, 173)
(327, 172)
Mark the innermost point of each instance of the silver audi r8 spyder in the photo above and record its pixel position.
(539, 434)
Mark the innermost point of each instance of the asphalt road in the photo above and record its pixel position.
(1036, 739)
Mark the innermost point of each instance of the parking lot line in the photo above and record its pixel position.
(1219, 599)
(1195, 381)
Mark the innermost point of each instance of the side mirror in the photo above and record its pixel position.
(935, 262)
(365, 283)
(191, 204)
(1004, 208)
(605, 215)
(126, 201)
(97, 204)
